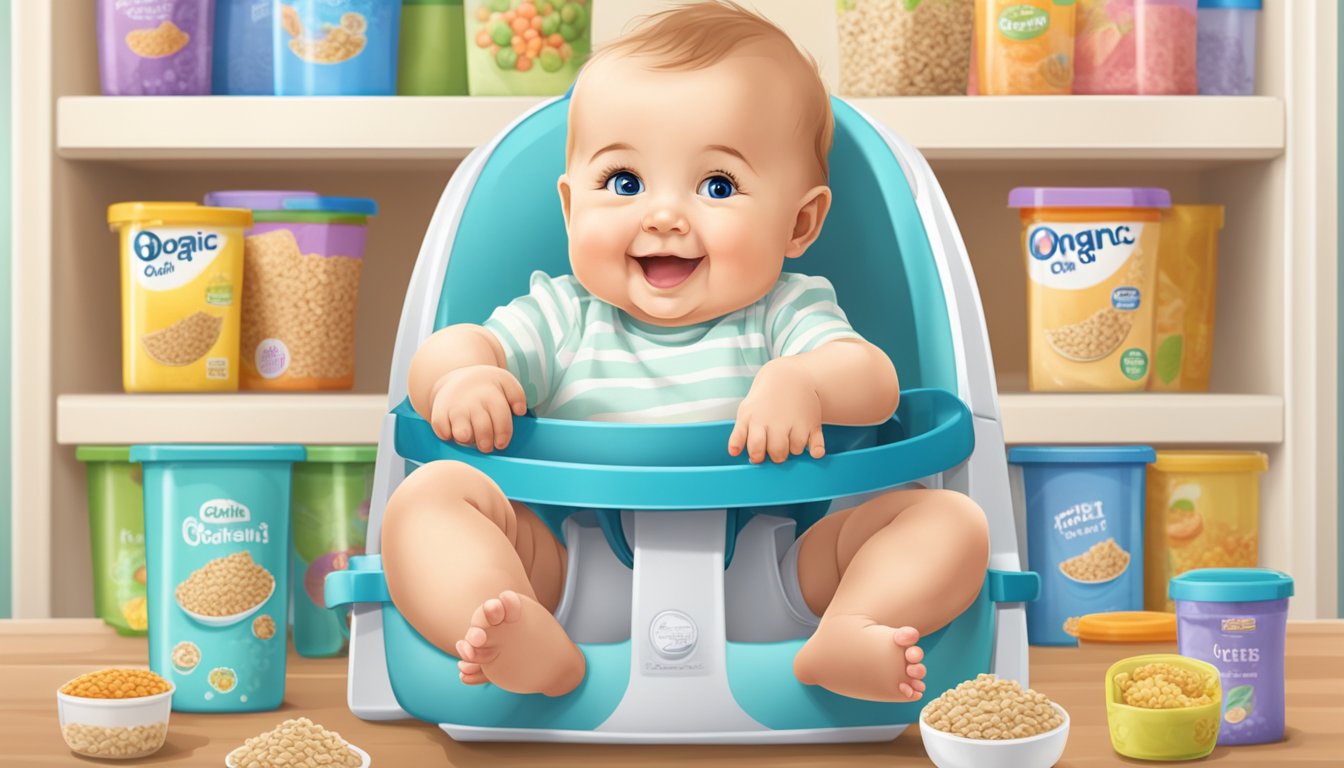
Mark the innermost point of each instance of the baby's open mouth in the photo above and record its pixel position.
(664, 271)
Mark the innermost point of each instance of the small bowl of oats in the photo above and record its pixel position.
(297, 742)
(991, 722)
(116, 714)
(1163, 707)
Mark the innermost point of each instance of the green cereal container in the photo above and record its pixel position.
(526, 47)
(433, 49)
(117, 533)
(217, 540)
(330, 516)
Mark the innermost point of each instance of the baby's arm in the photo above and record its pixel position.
(459, 384)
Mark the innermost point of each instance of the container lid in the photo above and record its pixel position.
(1089, 197)
(255, 199)
(181, 452)
(177, 213)
(342, 454)
(103, 453)
(1211, 461)
(360, 205)
(1246, 5)
(307, 217)
(1128, 627)
(1231, 585)
(1071, 454)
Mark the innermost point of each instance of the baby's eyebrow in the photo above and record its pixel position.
(724, 148)
(613, 147)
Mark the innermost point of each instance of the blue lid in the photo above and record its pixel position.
(1245, 5)
(1231, 585)
(358, 205)
(180, 452)
(1075, 454)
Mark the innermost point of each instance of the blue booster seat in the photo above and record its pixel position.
(673, 593)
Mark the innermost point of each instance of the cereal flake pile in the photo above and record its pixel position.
(888, 49)
(185, 341)
(226, 586)
(114, 742)
(116, 684)
(1164, 686)
(298, 743)
(994, 709)
(1102, 561)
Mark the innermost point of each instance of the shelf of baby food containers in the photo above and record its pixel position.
(353, 418)
(955, 128)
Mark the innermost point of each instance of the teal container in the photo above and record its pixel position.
(117, 536)
(433, 52)
(217, 544)
(330, 516)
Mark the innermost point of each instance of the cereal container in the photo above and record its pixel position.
(1104, 47)
(433, 49)
(331, 497)
(1024, 47)
(526, 47)
(1083, 509)
(1135, 46)
(1091, 257)
(905, 47)
(117, 533)
(244, 50)
(1187, 268)
(336, 47)
(1237, 620)
(302, 265)
(155, 47)
(1203, 512)
(1226, 47)
(1165, 34)
(217, 537)
(181, 286)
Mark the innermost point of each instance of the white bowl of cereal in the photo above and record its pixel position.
(230, 619)
(295, 738)
(225, 590)
(1102, 563)
(968, 727)
(117, 714)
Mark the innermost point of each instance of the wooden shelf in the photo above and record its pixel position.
(1196, 128)
(345, 418)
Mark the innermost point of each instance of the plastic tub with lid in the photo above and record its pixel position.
(1203, 512)
(1226, 48)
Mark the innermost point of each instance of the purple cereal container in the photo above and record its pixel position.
(155, 47)
(1237, 620)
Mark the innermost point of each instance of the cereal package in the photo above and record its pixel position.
(181, 285)
(1024, 47)
(155, 47)
(336, 47)
(526, 47)
(899, 48)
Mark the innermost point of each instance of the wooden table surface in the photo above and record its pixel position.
(37, 657)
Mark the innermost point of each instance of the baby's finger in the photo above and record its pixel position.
(816, 443)
(460, 423)
(513, 392)
(797, 440)
(501, 419)
(480, 425)
(756, 442)
(738, 438)
(777, 443)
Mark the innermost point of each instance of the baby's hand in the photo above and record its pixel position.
(781, 415)
(476, 404)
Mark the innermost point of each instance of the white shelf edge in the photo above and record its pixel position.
(386, 128)
(347, 418)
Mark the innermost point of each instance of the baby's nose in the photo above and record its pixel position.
(664, 219)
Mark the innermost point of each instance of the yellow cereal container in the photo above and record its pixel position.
(1186, 276)
(1091, 256)
(181, 291)
(1024, 47)
(1203, 511)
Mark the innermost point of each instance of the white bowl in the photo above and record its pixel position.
(1040, 751)
(114, 714)
(225, 621)
(1065, 574)
(363, 756)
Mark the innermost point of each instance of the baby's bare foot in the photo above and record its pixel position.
(518, 645)
(857, 657)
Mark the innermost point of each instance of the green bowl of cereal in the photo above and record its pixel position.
(990, 722)
(1163, 707)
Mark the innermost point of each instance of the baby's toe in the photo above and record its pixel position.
(916, 671)
(918, 685)
(476, 637)
(494, 611)
(468, 667)
(914, 654)
(466, 651)
(512, 604)
(909, 692)
(905, 636)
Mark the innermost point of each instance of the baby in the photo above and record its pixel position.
(696, 164)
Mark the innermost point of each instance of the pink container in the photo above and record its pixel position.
(1135, 46)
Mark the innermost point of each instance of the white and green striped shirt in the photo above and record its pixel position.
(581, 358)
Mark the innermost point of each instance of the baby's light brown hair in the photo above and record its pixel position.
(700, 34)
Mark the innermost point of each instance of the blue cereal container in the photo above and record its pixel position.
(336, 47)
(1084, 514)
(217, 548)
(244, 48)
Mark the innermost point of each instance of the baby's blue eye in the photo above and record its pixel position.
(717, 187)
(625, 183)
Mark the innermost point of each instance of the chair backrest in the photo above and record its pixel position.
(873, 247)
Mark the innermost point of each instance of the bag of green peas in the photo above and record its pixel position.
(526, 47)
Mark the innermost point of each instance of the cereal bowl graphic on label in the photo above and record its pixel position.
(225, 590)
(159, 42)
(223, 679)
(1103, 562)
(338, 44)
(186, 655)
(185, 341)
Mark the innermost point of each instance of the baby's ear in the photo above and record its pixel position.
(807, 225)
(563, 187)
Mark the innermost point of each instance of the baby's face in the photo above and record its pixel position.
(684, 189)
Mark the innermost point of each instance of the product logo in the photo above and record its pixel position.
(149, 246)
(1023, 22)
(1239, 625)
(1082, 244)
(224, 511)
(168, 258)
(1234, 655)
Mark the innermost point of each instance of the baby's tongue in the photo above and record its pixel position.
(667, 271)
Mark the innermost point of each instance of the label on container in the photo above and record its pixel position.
(1077, 256)
(168, 258)
(1245, 641)
(1023, 22)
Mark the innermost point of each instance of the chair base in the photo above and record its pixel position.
(866, 734)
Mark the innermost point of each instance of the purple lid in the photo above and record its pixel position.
(1089, 197)
(255, 199)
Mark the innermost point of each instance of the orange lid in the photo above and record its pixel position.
(1128, 627)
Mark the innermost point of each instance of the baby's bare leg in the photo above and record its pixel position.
(882, 575)
(479, 577)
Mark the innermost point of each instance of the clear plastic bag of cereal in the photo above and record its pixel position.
(904, 47)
